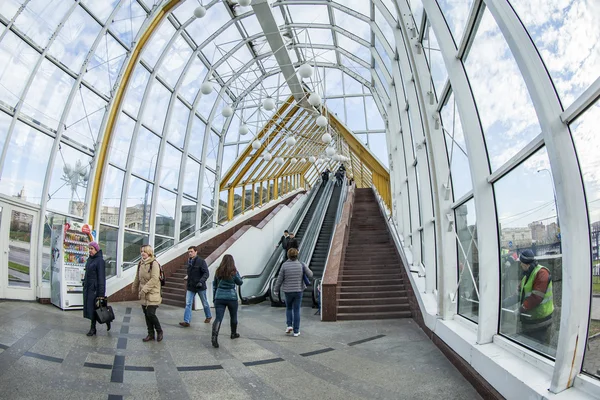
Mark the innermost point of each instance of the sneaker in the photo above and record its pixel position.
(289, 330)
(296, 334)
(184, 324)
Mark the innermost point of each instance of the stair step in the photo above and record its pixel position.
(372, 308)
(376, 315)
(173, 296)
(178, 275)
(366, 277)
(372, 301)
(367, 288)
(372, 295)
(175, 290)
(174, 303)
(372, 282)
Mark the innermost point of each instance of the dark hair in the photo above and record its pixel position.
(193, 248)
(285, 231)
(292, 254)
(227, 268)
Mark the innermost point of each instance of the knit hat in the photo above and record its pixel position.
(527, 257)
(95, 245)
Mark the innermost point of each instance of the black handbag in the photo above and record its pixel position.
(104, 312)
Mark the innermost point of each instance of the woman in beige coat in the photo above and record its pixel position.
(147, 286)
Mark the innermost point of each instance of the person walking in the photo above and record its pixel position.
(94, 285)
(291, 280)
(197, 274)
(147, 285)
(225, 296)
(283, 242)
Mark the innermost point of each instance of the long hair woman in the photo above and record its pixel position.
(147, 286)
(291, 280)
(225, 296)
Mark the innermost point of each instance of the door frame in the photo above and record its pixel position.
(15, 292)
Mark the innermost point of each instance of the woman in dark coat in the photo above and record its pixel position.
(94, 284)
(225, 296)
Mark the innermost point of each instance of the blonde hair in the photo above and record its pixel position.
(148, 250)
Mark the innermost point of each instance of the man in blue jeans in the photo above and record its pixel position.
(197, 274)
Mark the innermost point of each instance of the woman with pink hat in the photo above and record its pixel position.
(94, 284)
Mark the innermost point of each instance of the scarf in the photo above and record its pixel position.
(148, 262)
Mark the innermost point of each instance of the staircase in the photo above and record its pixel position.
(371, 284)
(319, 256)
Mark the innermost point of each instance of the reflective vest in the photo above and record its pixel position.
(544, 310)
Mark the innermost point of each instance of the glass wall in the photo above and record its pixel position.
(468, 261)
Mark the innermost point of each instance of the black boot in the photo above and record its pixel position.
(215, 333)
(92, 331)
(107, 326)
(234, 334)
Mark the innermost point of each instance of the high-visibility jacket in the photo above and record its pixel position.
(541, 315)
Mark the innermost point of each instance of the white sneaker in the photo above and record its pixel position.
(289, 330)
(296, 334)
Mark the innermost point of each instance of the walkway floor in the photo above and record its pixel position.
(45, 354)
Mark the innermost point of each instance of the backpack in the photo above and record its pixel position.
(161, 275)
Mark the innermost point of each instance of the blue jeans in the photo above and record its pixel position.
(189, 301)
(293, 301)
(220, 306)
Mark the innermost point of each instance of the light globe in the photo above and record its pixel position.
(244, 3)
(290, 141)
(256, 144)
(243, 129)
(269, 104)
(294, 160)
(330, 151)
(227, 112)
(326, 138)
(311, 159)
(206, 87)
(305, 71)
(321, 121)
(267, 156)
(314, 100)
(199, 12)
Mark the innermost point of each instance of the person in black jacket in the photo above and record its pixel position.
(197, 274)
(94, 285)
(292, 243)
(283, 242)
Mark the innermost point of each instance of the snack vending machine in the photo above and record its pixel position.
(69, 244)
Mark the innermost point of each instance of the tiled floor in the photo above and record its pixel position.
(45, 354)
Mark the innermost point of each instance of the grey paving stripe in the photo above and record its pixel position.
(122, 343)
(263, 362)
(3, 346)
(115, 397)
(141, 369)
(365, 340)
(118, 369)
(99, 366)
(43, 357)
(314, 353)
(126, 320)
(128, 311)
(199, 368)
(124, 329)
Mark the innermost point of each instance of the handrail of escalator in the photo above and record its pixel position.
(343, 196)
(316, 292)
(277, 255)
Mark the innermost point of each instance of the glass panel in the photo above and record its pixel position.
(192, 80)
(222, 207)
(191, 178)
(26, 161)
(188, 218)
(309, 14)
(208, 189)
(378, 145)
(352, 24)
(41, 18)
(386, 29)
(121, 140)
(417, 9)
(146, 153)
(528, 225)
(165, 213)
(175, 60)
(508, 124)
(101, 9)
(374, 118)
(85, 118)
(568, 39)
(18, 62)
(229, 156)
(587, 143)
(104, 66)
(19, 249)
(135, 90)
(363, 7)
(75, 39)
(201, 28)
(213, 150)
(356, 117)
(171, 164)
(161, 244)
(131, 246)
(69, 181)
(48, 95)
(158, 42)
(128, 21)
(139, 198)
(456, 149)
(456, 13)
(107, 238)
(10, 8)
(111, 196)
(207, 218)
(156, 106)
(196, 141)
(178, 125)
(438, 70)
(468, 261)
(5, 121)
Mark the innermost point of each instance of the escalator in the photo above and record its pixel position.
(321, 249)
(256, 287)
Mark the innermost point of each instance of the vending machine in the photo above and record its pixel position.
(69, 244)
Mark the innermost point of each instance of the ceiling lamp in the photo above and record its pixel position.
(279, 161)
(267, 156)
(326, 138)
(227, 111)
(294, 160)
(302, 160)
(243, 129)
(305, 71)
(322, 121)
(330, 151)
(312, 159)
(314, 100)
(269, 104)
(244, 3)
(256, 144)
(206, 87)
(290, 141)
(199, 12)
